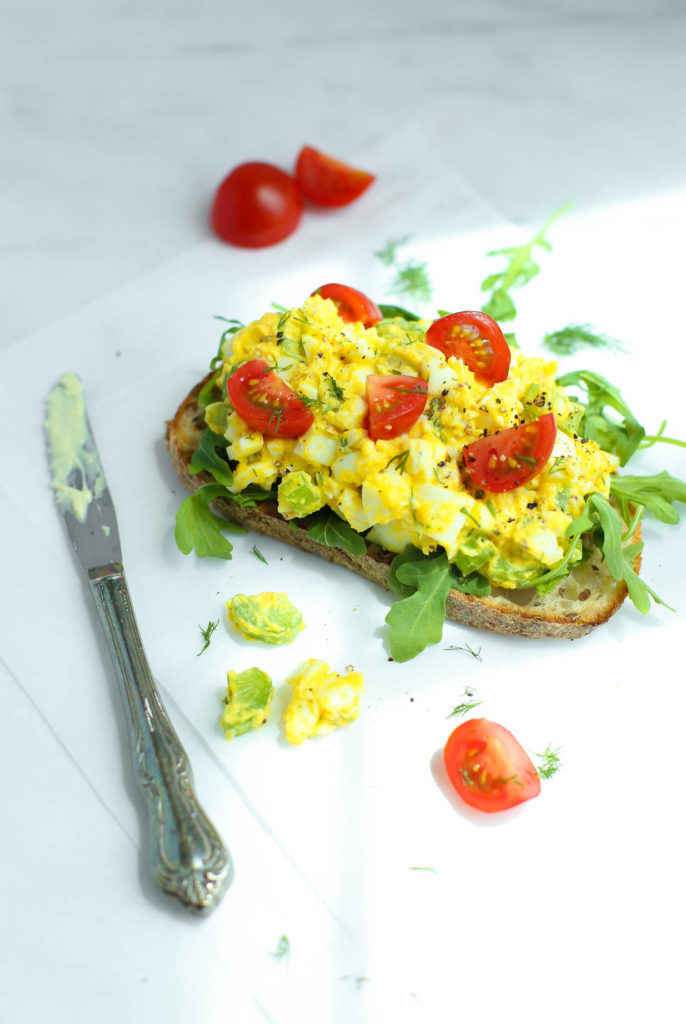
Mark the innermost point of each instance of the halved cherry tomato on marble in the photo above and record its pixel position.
(509, 458)
(266, 402)
(256, 205)
(329, 182)
(352, 306)
(395, 404)
(488, 767)
(476, 339)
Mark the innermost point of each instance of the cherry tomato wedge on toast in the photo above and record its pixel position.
(395, 404)
(488, 767)
(476, 339)
(256, 205)
(352, 306)
(509, 458)
(329, 182)
(266, 402)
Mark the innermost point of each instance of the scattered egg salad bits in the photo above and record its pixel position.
(317, 447)
(321, 701)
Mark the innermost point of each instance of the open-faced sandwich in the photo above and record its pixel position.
(426, 456)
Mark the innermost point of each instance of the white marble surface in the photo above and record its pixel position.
(119, 119)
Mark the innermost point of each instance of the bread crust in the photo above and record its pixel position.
(585, 599)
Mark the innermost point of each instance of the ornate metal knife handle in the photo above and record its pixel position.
(188, 858)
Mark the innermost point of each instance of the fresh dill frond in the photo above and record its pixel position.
(570, 339)
(551, 763)
(258, 554)
(389, 254)
(207, 635)
(401, 460)
(336, 388)
(466, 706)
(412, 279)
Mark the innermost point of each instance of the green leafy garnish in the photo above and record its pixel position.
(390, 312)
(198, 527)
(468, 650)
(207, 458)
(520, 268)
(417, 619)
(389, 254)
(620, 434)
(258, 554)
(207, 635)
(466, 706)
(609, 531)
(573, 337)
(234, 325)
(329, 529)
(411, 277)
(551, 762)
(656, 494)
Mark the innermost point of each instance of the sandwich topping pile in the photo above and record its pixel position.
(434, 458)
(382, 427)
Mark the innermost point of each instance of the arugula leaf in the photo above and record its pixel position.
(568, 340)
(198, 527)
(395, 579)
(656, 493)
(329, 529)
(609, 530)
(417, 621)
(389, 312)
(520, 268)
(623, 436)
(234, 325)
(206, 458)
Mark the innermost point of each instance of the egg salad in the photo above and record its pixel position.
(322, 700)
(409, 489)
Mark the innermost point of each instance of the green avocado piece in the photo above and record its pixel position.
(299, 496)
(247, 703)
(475, 551)
(268, 617)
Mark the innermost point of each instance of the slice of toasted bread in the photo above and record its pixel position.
(584, 599)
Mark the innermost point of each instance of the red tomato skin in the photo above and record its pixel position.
(476, 339)
(353, 306)
(326, 181)
(488, 461)
(256, 205)
(266, 403)
(488, 767)
(395, 404)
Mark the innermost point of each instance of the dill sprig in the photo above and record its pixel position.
(207, 635)
(568, 340)
(551, 763)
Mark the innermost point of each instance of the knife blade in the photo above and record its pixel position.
(188, 858)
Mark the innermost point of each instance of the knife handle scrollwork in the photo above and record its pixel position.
(188, 858)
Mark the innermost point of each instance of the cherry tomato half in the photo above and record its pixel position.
(256, 205)
(508, 458)
(266, 402)
(329, 182)
(352, 306)
(476, 339)
(395, 404)
(488, 767)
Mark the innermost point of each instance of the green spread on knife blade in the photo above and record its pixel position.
(77, 477)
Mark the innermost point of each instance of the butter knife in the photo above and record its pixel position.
(188, 858)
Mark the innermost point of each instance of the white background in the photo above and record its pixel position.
(480, 121)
